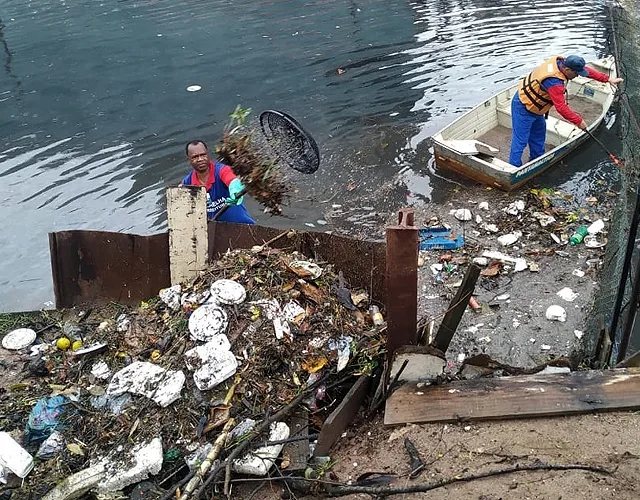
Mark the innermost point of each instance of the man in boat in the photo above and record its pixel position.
(223, 187)
(541, 89)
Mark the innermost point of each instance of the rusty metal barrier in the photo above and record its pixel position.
(98, 267)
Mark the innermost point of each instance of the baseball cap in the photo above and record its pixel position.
(577, 64)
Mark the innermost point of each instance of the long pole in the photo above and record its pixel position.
(631, 243)
(599, 143)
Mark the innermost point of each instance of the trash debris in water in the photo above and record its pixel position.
(556, 313)
(567, 294)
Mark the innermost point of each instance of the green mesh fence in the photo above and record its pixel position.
(625, 40)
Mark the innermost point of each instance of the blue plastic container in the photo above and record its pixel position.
(439, 238)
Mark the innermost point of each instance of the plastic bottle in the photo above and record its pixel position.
(578, 236)
(376, 315)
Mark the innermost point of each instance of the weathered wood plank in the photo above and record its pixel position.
(457, 307)
(342, 416)
(516, 397)
(188, 240)
(298, 451)
(631, 361)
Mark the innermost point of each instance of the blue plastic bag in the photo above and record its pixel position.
(44, 419)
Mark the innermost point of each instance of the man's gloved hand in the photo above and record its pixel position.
(235, 189)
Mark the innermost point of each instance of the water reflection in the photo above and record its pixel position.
(93, 129)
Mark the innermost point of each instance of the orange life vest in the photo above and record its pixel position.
(535, 98)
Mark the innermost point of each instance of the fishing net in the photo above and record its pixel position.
(623, 42)
(290, 142)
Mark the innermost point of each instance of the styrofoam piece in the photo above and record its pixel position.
(567, 294)
(19, 339)
(549, 370)
(123, 323)
(596, 227)
(591, 241)
(149, 380)
(515, 207)
(14, 457)
(101, 370)
(544, 219)
(293, 312)
(483, 205)
(520, 263)
(314, 270)
(509, 238)
(227, 292)
(274, 312)
(78, 484)
(463, 214)
(490, 228)
(556, 313)
(342, 346)
(247, 425)
(171, 296)
(212, 362)
(207, 321)
(144, 459)
(258, 462)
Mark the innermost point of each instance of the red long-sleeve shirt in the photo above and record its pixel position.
(555, 88)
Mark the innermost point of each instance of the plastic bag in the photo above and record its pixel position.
(44, 419)
(52, 446)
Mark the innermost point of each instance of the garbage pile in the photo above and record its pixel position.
(99, 400)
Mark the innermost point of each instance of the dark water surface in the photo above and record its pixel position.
(94, 110)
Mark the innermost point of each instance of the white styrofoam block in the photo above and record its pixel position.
(14, 457)
(156, 383)
(145, 459)
(212, 362)
(258, 462)
(77, 485)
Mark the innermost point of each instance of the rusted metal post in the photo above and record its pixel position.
(402, 282)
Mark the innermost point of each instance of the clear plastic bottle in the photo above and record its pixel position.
(578, 236)
(376, 315)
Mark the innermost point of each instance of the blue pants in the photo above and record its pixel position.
(527, 128)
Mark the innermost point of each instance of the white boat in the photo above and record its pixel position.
(477, 143)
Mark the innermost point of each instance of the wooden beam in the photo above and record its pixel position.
(516, 397)
(188, 240)
(631, 361)
(457, 307)
(342, 416)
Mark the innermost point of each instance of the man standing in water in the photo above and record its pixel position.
(222, 185)
(539, 91)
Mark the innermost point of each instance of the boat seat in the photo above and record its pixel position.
(559, 129)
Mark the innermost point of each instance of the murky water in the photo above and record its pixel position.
(94, 110)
